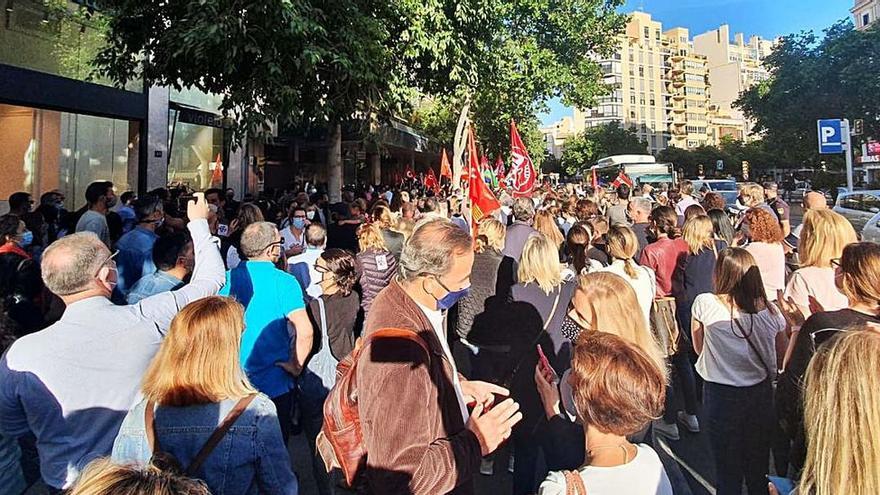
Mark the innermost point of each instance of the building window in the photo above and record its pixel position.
(657, 35)
(632, 114)
(642, 99)
(632, 99)
(866, 19)
(647, 32)
(641, 71)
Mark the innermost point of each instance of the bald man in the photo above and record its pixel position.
(812, 201)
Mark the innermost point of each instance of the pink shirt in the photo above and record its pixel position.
(771, 263)
(819, 283)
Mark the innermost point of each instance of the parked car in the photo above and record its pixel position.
(858, 207)
(871, 232)
(800, 189)
(725, 187)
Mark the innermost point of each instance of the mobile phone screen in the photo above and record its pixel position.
(783, 485)
(543, 358)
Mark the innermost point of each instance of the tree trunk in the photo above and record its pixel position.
(459, 143)
(334, 163)
(376, 168)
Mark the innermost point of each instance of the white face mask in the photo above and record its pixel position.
(310, 215)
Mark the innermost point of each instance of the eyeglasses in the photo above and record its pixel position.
(108, 260)
(321, 269)
(835, 262)
(829, 334)
(276, 243)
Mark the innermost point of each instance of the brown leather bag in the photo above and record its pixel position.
(341, 441)
(574, 484)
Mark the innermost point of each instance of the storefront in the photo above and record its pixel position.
(61, 127)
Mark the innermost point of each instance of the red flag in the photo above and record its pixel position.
(217, 175)
(409, 173)
(431, 181)
(523, 170)
(594, 181)
(445, 169)
(622, 179)
(499, 167)
(483, 202)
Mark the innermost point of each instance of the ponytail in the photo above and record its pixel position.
(629, 268)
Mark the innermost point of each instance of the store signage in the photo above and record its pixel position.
(199, 117)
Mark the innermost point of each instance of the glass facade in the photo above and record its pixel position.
(195, 151)
(56, 37)
(42, 150)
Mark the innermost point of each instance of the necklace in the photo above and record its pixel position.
(622, 446)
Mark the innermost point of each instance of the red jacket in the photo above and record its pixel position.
(662, 256)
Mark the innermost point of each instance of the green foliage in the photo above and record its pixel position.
(813, 79)
(732, 152)
(594, 143)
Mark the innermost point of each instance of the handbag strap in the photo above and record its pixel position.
(753, 346)
(574, 484)
(531, 347)
(210, 444)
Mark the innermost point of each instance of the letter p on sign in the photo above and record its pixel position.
(830, 136)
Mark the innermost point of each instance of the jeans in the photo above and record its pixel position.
(310, 401)
(740, 423)
(681, 380)
(284, 407)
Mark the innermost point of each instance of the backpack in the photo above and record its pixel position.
(164, 461)
(341, 441)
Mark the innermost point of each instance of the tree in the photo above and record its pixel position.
(813, 79)
(595, 143)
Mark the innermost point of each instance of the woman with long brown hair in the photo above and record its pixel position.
(738, 336)
(545, 223)
(856, 274)
(194, 384)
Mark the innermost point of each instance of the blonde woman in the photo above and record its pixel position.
(377, 264)
(545, 223)
(103, 477)
(842, 409)
(194, 384)
(385, 220)
(622, 245)
(694, 272)
(824, 235)
(536, 312)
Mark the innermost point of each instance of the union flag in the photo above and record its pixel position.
(522, 173)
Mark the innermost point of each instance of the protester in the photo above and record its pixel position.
(100, 197)
(337, 318)
(812, 201)
(692, 211)
(639, 212)
(546, 225)
(103, 477)
(436, 448)
(15, 238)
(713, 201)
(278, 335)
(622, 246)
(135, 249)
(11, 476)
(841, 404)
(51, 210)
(377, 265)
(173, 258)
(722, 226)
(484, 275)
(599, 229)
(687, 199)
(126, 212)
(694, 275)
(738, 335)
(779, 207)
(665, 253)
(616, 214)
(856, 275)
(765, 245)
(521, 229)
(248, 214)
(293, 231)
(567, 217)
(617, 390)
(23, 306)
(539, 302)
(302, 266)
(824, 235)
(195, 384)
(74, 402)
(577, 249)
(393, 240)
(586, 210)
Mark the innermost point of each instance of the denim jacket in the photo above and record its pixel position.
(250, 459)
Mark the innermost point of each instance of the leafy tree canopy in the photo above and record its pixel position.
(594, 143)
(812, 79)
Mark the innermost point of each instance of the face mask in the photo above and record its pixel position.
(451, 297)
(299, 223)
(111, 202)
(27, 238)
(571, 328)
(310, 215)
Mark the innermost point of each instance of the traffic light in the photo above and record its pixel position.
(745, 170)
(858, 127)
(700, 169)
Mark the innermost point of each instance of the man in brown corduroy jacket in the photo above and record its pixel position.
(413, 406)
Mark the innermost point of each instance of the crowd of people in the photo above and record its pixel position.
(173, 343)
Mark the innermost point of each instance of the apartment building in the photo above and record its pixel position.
(733, 66)
(687, 83)
(865, 13)
(556, 134)
(636, 74)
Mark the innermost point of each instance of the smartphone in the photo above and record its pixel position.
(783, 485)
(545, 363)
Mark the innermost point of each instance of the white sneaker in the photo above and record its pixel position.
(487, 466)
(689, 421)
(668, 430)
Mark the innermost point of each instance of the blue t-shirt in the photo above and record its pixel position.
(268, 295)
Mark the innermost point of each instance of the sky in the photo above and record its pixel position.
(767, 18)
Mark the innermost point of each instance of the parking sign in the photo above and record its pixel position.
(830, 136)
